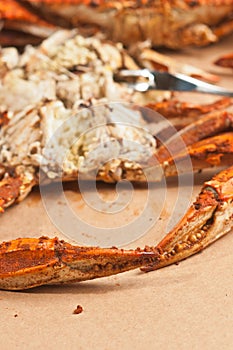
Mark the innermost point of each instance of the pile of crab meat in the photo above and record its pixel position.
(62, 111)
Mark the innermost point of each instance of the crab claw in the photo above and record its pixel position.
(209, 218)
(31, 262)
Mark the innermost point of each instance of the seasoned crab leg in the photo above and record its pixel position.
(209, 125)
(173, 108)
(209, 218)
(31, 262)
(151, 59)
(224, 28)
(225, 61)
(16, 38)
(181, 114)
(15, 187)
(16, 16)
(214, 151)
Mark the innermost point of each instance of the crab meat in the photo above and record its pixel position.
(151, 59)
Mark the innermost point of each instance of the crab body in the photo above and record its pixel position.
(170, 23)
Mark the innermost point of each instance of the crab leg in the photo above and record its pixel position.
(14, 188)
(207, 126)
(31, 262)
(194, 123)
(17, 38)
(18, 17)
(209, 218)
(224, 28)
(151, 59)
(214, 151)
(173, 108)
(225, 61)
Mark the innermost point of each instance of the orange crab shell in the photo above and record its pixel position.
(13, 10)
(30, 262)
(225, 61)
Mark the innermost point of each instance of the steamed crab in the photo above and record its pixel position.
(27, 134)
(170, 23)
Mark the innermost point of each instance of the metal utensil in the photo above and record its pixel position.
(155, 80)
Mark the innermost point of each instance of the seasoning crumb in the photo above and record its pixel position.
(78, 310)
(16, 315)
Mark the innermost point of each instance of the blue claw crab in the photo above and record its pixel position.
(26, 128)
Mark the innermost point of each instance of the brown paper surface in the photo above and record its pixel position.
(184, 306)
